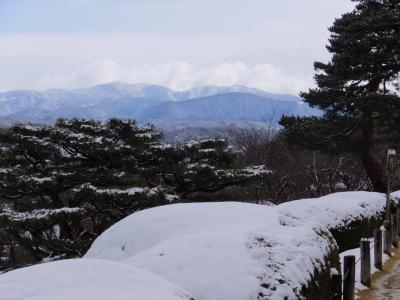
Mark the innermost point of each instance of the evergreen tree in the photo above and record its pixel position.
(203, 166)
(66, 184)
(357, 90)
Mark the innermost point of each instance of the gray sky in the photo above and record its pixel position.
(178, 43)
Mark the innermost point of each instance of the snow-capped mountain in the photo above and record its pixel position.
(150, 103)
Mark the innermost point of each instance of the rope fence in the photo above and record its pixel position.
(343, 287)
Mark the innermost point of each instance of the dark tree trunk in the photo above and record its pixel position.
(375, 171)
(372, 165)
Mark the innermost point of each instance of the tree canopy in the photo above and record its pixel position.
(357, 90)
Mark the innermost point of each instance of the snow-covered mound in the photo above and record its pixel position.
(396, 196)
(336, 210)
(215, 251)
(84, 279)
(219, 251)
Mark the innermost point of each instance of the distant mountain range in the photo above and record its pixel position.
(151, 104)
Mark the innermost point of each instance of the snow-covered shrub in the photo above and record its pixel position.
(221, 251)
(349, 216)
(241, 251)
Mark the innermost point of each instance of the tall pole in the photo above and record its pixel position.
(388, 188)
(389, 168)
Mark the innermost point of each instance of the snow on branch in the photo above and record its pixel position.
(133, 191)
(39, 214)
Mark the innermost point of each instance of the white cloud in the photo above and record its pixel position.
(181, 75)
(32, 61)
(268, 44)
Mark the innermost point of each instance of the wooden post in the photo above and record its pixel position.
(336, 287)
(393, 221)
(378, 249)
(398, 219)
(349, 274)
(365, 263)
(387, 238)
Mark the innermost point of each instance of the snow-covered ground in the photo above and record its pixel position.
(86, 279)
(215, 251)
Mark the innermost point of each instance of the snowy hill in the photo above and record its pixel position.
(150, 103)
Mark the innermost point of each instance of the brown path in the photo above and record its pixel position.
(386, 284)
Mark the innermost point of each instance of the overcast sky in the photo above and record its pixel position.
(266, 44)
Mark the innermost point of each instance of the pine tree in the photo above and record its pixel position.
(66, 184)
(357, 90)
(204, 166)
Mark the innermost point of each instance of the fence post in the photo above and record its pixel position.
(349, 274)
(393, 221)
(365, 263)
(398, 219)
(336, 287)
(378, 249)
(387, 239)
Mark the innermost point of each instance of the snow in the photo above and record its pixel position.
(356, 252)
(195, 143)
(336, 210)
(39, 214)
(163, 146)
(235, 250)
(84, 279)
(218, 250)
(257, 171)
(200, 165)
(148, 135)
(129, 191)
(395, 195)
(38, 180)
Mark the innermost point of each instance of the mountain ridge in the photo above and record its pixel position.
(150, 103)
(225, 107)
